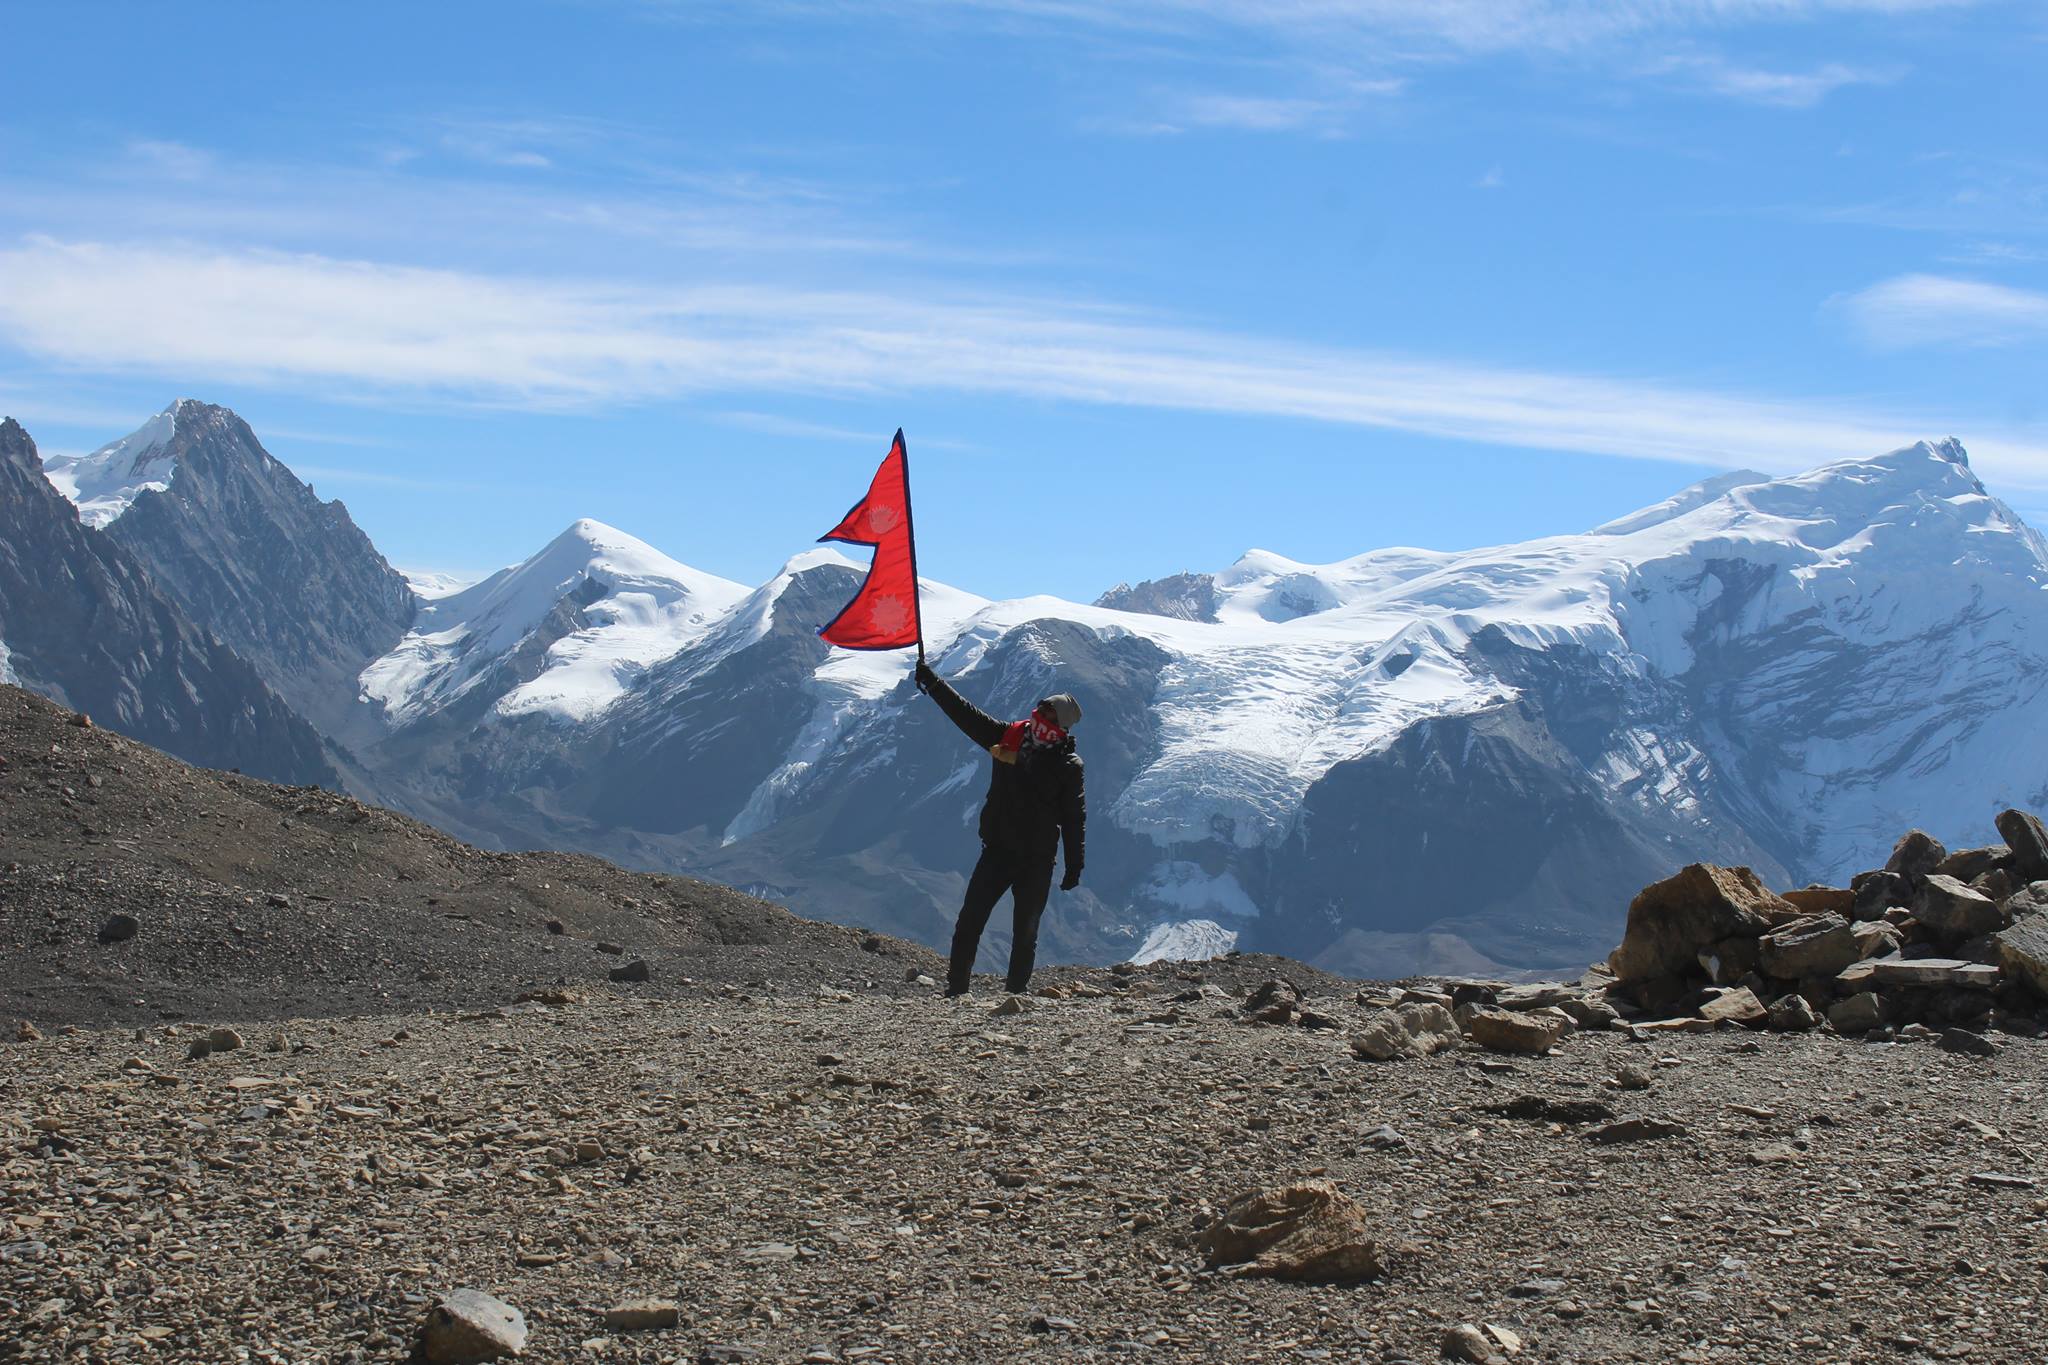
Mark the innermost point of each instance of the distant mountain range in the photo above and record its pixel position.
(1408, 760)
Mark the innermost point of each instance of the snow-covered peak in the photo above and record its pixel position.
(1679, 503)
(105, 483)
(609, 604)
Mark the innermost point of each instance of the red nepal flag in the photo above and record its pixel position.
(883, 614)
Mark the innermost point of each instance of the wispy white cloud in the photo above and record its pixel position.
(1493, 179)
(1925, 310)
(773, 424)
(1716, 75)
(173, 160)
(360, 328)
(1452, 25)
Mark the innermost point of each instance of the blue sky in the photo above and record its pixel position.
(1147, 283)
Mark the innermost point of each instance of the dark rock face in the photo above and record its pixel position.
(1916, 854)
(1183, 596)
(252, 555)
(83, 623)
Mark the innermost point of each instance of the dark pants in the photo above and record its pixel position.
(1029, 882)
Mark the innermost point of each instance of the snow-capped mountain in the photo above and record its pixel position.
(248, 551)
(104, 483)
(83, 622)
(589, 614)
(1407, 759)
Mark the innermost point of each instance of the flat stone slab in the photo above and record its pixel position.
(1931, 971)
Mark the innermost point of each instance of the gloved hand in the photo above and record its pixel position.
(925, 677)
(1071, 880)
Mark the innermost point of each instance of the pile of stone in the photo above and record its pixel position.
(1936, 939)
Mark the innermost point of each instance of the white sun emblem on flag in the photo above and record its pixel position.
(884, 519)
(891, 614)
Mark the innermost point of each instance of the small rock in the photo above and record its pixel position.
(1857, 1014)
(279, 1042)
(1014, 1004)
(223, 1040)
(636, 970)
(1877, 892)
(872, 944)
(1916, 854)
(1738, 1005)
(643, 1315)
(1823, 900)
(1305, 1231)
(555, 927)
(1467, 1342)
(2028, 840)
(28, 1033)
(1385, 1139)
(612, 949)
(1635, 1130)
(1819, 946)
(1963, 1041)
(1273, 1002)
(1631, 1078)
(1410, 1030)
(119, 928)
(1792, 1014)
(1932, 971)
(278, 900)
(467, 1326)
(1505, 1031)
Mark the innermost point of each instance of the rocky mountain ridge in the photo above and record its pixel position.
(82, 619)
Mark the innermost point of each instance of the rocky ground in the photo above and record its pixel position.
(835, 1176)
(336, 1066)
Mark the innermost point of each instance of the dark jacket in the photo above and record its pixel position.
(1031, 803)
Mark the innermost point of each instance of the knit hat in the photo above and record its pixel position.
(1064, 709)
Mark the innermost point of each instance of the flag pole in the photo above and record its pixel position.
(910, 529)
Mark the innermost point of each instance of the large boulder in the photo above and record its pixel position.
(2028, 840)
(1820, 946)
(1305, 1231)
(2023, 952)
(1952, 909)
(1916, 854)
(1411, 1030)
(1670, 921)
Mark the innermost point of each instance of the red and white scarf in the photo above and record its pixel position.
(1037, 732)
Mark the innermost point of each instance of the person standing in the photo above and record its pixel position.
(1035, 801)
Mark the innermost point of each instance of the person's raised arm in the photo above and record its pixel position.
(978, 725)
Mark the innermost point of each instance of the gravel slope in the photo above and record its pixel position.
(898, 1179)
